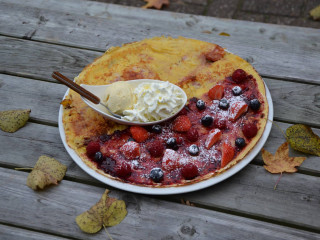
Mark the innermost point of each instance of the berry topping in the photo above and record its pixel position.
(249, 130)
(216, 93)
(189, 171)
(92, 148)
(104, 138)
(201, 105)
(170, 160)
(239, 76)
(172, 143)
(130, 139)
(184, 111)
(193, 150)
(98, 157)
(206, 120)
(220, 123)
(156, 174)
(254, 104)
(155, 148)
(130, 150)
(236, 91)
(139, 133)
(181, 124)
(192, 135)
(237, 109)
(240, 142)
(123, 169)
(156, 129)
(224, 104)
(108, 165)
(227, 154)
(213, 137)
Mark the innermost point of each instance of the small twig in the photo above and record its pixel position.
(275, 186)
(278, 128)
(107, 232)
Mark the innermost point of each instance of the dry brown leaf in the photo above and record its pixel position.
(315, 13)
(12, 120)
(280, 161)
(155, 3)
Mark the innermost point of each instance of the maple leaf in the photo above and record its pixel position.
(280, 161)
(12, 120)
(106, 212)
(155, 3)
(46, 171)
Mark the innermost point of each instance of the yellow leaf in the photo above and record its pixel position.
(301, 138)
(155, 3)
(12, 120)
(46, 171)
(281, 162)
(115, 214)
(315, 13)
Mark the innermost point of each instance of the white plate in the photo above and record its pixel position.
(171, 190)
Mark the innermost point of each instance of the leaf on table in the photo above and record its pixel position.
(155, 3)
(12, 120)
(303, 139)
(107, 212)
(280, 161)
(47, 171)
(224, 34)
(315, 13)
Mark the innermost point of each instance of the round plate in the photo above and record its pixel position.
(171, 190)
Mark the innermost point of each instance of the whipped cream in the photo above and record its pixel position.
(155, 101)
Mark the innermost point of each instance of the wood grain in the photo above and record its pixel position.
(54, 210)
(275, 51)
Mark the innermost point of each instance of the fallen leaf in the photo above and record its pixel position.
(107, 212)
(12, 120)
(224, 34)
(46, 171)
(281, 162)
(315, 13)
(302, 138)
(155, 3)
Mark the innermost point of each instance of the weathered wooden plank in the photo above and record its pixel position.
(55, 209)
(276, 51)
(9, 233)
(243, 193)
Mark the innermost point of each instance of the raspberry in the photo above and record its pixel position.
(192, 135)
(139, 133)
(123, 170)
(227, 154)
(239, 76)
(155, 148)
(189, 171)
(181, 124)
(92, 148)
(131, 150)
(249, 130)
(216, 93)
(220, 123)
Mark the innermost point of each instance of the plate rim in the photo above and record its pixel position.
(177, 189)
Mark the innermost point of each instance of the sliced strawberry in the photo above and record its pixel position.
(131, 150)
(237, 109)
(213, 137)
(181, 124)
(170, 160)
(216, 93)
(227, 154)
(139, 133)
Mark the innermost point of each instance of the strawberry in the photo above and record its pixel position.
(155, 148)
(213, 137)
(189, 171)
(131, 150)
(227, 154)
(237, 109)
(139, 133)
(92, 148)
(170, 160)
(181, 124)
(249, 130)
(216, 93)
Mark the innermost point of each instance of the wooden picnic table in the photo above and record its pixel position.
(38, 37)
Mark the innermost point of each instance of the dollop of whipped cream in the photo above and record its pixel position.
(155, 101)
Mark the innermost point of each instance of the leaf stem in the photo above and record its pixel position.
(107, 232)
(278, 128)
(275, 186)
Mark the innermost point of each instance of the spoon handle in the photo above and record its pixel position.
(77, 88)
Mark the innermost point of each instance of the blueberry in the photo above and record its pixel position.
(254, 104)
(130, 139)
(201, 105)
(156, 174)
(172, 143)
(224, 104)
(193, 150)
(98, 157)
(236, 91)
(206, 120)
(156, 129)
(240, 142)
